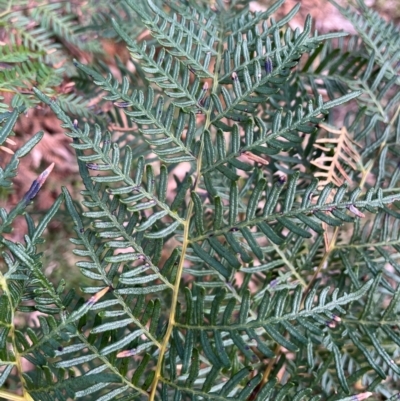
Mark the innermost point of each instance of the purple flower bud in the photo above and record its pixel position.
(273, 283)
(268, 65)
(92, 166)
(37, 184)
(122, 104)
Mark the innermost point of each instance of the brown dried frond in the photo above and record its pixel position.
(339, 153)
(345, 154)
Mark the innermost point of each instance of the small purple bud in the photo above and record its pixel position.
(268, 65)
(95, 166)
(92, 166)
(274, 283)
(355, 211)
(32, 192)
(37, 184)
(122, 104)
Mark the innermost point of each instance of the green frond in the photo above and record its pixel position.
(22, 283)
(262, 142)
(380, 37)
(16, 54)
(103, 14)
(222, 246)
(213, 263)
(27, 72)
(75, 105)
(169, 32)
(10, 170)
(349, 68)
(154, 122)
(56, 19)
(166, 71)
(37, 38)
(234, 329)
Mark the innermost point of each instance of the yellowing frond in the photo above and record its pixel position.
(335, 168)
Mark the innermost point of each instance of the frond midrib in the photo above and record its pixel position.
(187, 227)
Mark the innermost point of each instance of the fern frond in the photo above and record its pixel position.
(175, 85)
(231, 331)
(170, 31)
(23, 282)
(381, 38)
(344, 153)
(348, 68)
(262, 142)
(206, 276)
(10, 170)
(155, 123)
(37, 38)
(28, 72)
(76, 105)
(54, 18)
(103, 14)
(16, 54)
(277, 216)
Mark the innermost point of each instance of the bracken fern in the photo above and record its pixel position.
(221, 268)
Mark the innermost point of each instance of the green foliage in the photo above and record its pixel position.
(219, 267)
(40, 42)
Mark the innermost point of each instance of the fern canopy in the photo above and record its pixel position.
(220, 267)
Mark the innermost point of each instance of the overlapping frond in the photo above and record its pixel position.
(22, 278)
(209, 276)
(169, 31)
(283, 135)
(40, 41)
(55, 19)
(168, 72)
(171, 145)
(349, 67)
(380, 37)
(269, 214)
(227, 328)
